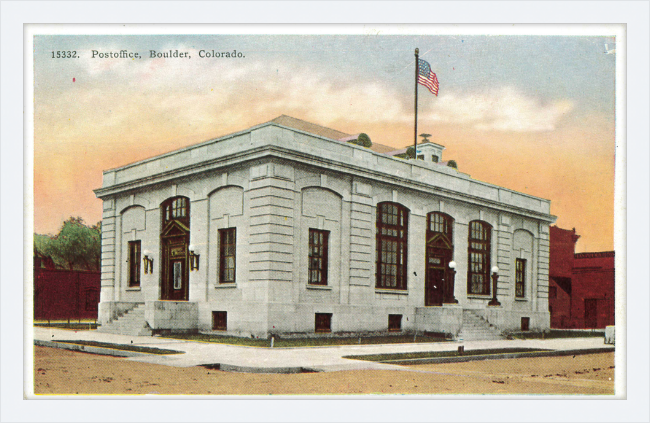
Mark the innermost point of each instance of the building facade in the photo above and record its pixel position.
(581, 286)
(284, 229)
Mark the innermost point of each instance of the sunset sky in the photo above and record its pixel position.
(530, 113)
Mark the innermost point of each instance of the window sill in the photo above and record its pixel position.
(225, 285)
(521, 299)
(480, 296)
(133, 288)
(391, 291)
(320, 287)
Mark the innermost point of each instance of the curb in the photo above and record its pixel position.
(496, 356)
(269, 370)
(92, 350)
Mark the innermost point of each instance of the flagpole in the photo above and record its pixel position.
(417, 64)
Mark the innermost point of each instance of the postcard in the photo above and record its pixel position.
(383, 211)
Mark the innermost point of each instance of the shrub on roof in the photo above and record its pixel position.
(362, 140)
(410, 152)
(452, 163)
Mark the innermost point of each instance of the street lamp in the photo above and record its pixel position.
(495, 277)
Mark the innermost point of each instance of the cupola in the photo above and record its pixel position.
(429, 152)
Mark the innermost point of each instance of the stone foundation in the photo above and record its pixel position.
(172, 316)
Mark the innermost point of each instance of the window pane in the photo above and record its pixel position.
(134, 257)
(392, 235)
(520, 277)
(227, 255)
(317, 272)
(177, 274)
(479, 257)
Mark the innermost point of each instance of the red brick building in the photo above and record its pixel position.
(64, 294)
(581, 286)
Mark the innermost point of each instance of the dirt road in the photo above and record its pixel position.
(65, 372)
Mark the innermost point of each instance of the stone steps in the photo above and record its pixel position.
(130, 323)
(476, 328)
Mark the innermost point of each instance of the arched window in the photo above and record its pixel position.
(177, 208)
(478, 257)
(392, 240)
(441, 223)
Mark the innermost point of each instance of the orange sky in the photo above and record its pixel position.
(555, 141)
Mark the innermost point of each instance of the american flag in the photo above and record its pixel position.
(426, 77)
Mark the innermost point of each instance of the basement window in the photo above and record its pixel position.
(525, 324)
(219, 320)
(323, 322)
(394, 322)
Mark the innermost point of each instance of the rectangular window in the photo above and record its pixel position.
(520, 278)
(392, 239)
(525, 324)
(318, 245)
(134, 263)
(323, 322)
(219, 320)
(478, 251)
(227, 247)
(394, 322)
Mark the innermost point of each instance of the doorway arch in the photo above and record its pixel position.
(438, 285)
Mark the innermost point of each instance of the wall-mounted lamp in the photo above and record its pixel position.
(495, 277)
(148, 262)
(194, 258)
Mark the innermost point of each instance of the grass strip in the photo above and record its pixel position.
(439, 354)
(306, 342)
(75, 326)
(134, 348)
(559, 333)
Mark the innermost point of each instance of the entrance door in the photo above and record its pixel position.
(434, 284)
(591, 313)
(433, 292)
(174, 240)
(175, 272)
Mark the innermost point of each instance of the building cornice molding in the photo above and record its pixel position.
(377, 171)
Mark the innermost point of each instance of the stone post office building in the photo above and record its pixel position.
(285, 228)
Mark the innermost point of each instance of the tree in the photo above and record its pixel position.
(76, 246)
(362, 140)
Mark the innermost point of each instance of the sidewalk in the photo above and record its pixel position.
(287, 360)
